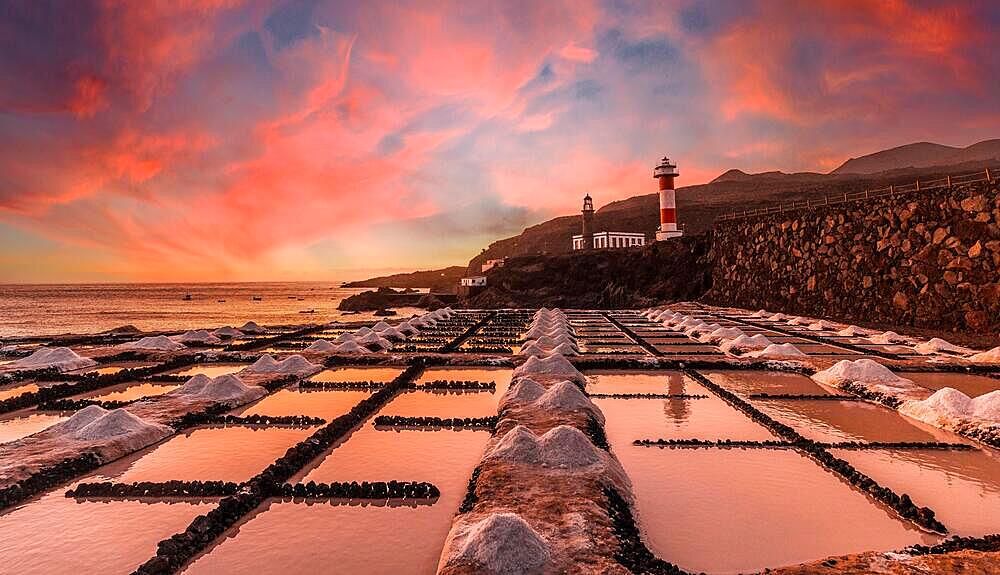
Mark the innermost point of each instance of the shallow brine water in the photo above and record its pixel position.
(832, 421)
(711, 418)
(325, 537)
(969, 384)
(56, 535)
(16, 390)
(732, 510)
(211, 369)
(129, 391)
(773, 382)
(380, 374)
(23, 424)
(231, 453)
(312, 402)
(962, 487)
(673, 382)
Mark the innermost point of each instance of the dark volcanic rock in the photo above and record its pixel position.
(656, 273)
(379, 300)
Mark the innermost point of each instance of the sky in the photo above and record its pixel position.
(242, 140)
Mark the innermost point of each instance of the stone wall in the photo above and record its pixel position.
(925, 259)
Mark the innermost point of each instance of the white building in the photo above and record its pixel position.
(476, 281)
(612, 240)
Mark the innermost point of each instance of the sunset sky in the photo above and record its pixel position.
(206, 140)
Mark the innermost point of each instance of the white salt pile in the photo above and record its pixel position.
(94, 423)
(120, 422)
(251, 327)
(322, 346)
(745, 343)
(861, 370)
(407, 328)
(564, 447)
(61, 358)
(344, 338)
(532, 348)
(720, 334)
(949, 408)
(887, 337)
(799, 320)
(566, 396)
(352, 347)
(776, 351)
(555, 365)
(222, 389)
(820, 325)
(363, 331)
(523, 390)
(938, 345)
(502, 544)
(519, 445)
(702, 329)
(291, 365)
(374, 340)
(567, 447)
(392, 333)
(227, 332)
(197, 336)
(759, 313)
(991, 356)
(566, 349)
(154, 343)
(778, 317)
(851, 331)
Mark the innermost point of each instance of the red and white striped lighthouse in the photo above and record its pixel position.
(665, 174)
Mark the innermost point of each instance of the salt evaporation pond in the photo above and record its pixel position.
(322, 403)
(340, 374)
(613, 381)
(327, 537)
(25, 423)
(734, 510)
(129, 391)
(231, 453)
(56, 535)
(378, 539)
(962, 487)
(833, 421)
(17, 390)
(708, 418)
(773, 382)
(211, 369)
(970, 384)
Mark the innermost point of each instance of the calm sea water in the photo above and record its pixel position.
(91, 308)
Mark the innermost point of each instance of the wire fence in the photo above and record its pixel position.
(831, 199)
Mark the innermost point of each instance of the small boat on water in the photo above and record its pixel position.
(220, 301)
(307, 311)
(187, 297)
(256, 298)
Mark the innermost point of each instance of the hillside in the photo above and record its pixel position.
(437, 280)
(699, 206)
(920, 155)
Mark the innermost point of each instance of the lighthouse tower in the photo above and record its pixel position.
(665, 174)
(588, 223)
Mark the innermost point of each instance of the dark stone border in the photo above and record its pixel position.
(489, 422)
(364, 490)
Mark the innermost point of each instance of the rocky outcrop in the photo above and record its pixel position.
(381, 298)
(600, 279)
(922, 259)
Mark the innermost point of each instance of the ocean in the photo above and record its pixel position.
(91, 308)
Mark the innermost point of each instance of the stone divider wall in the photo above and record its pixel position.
(924, 259)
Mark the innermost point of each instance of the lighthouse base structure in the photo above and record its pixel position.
(668, 234)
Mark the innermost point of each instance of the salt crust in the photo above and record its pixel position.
(502, 544)
(227, 388)
(154, 343)
(291, 365)
(777, 350)
(61, 358)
